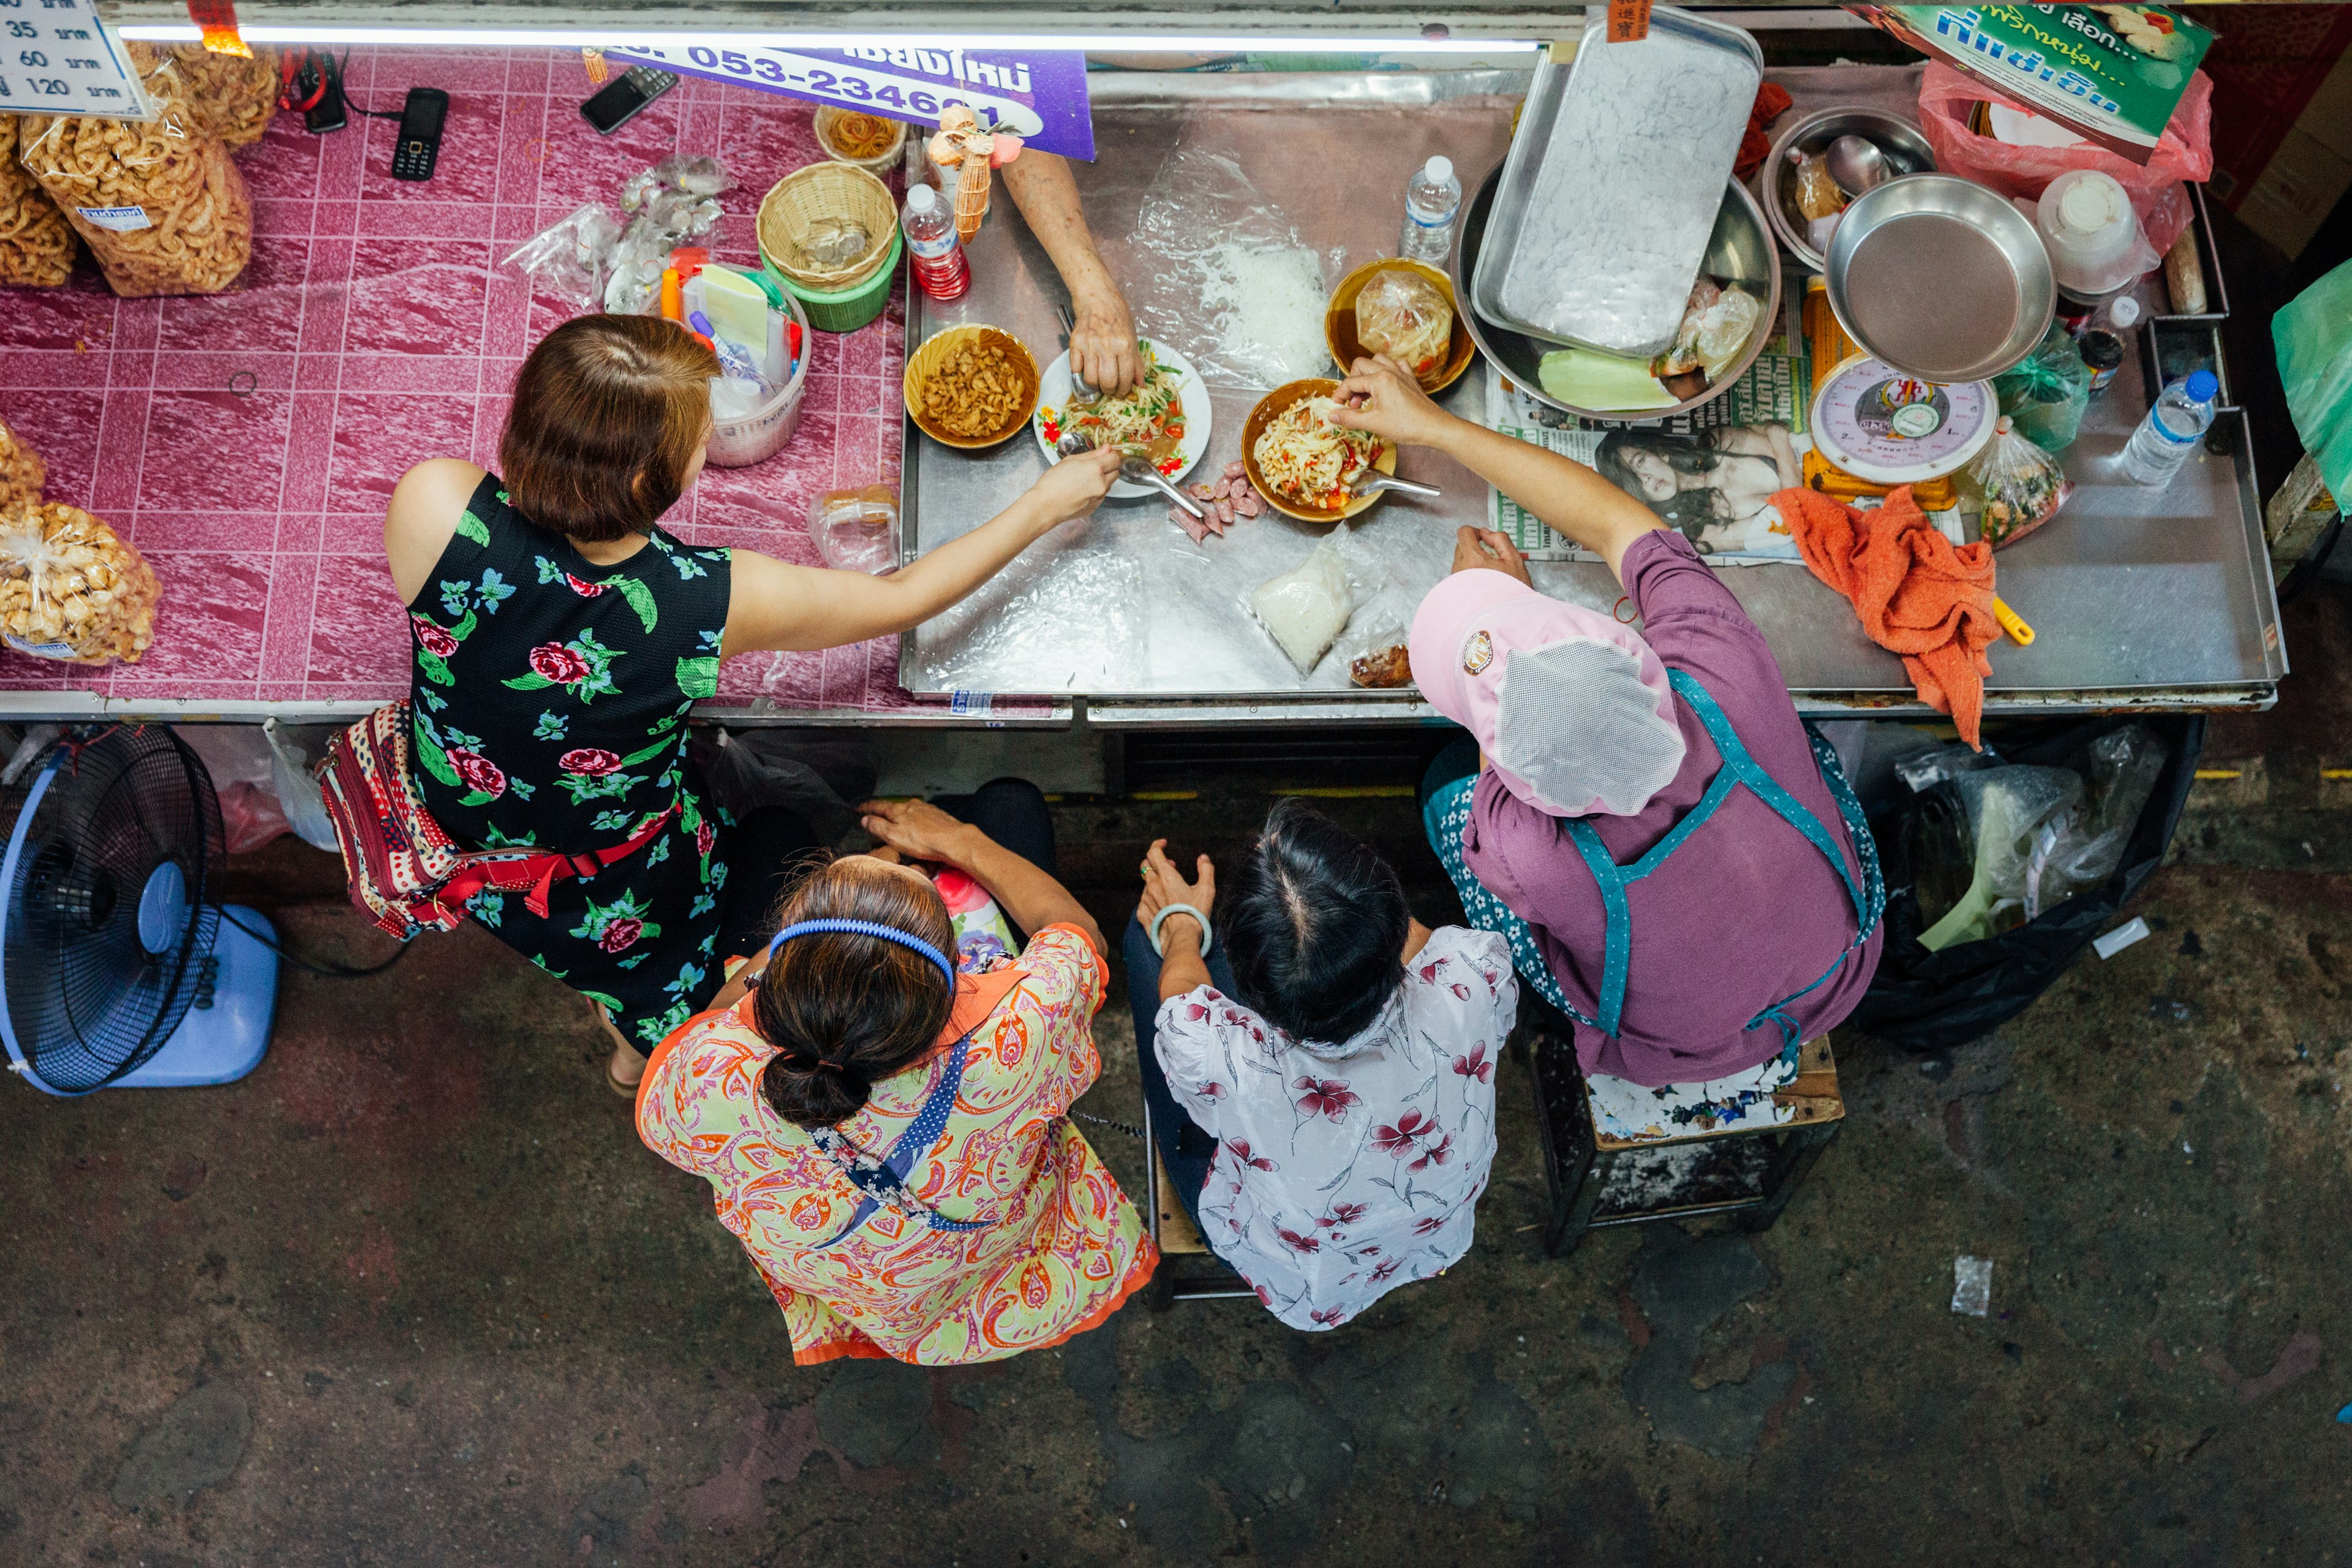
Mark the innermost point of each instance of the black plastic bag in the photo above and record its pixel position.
(1932, 1001)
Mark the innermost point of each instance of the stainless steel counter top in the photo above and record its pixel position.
(2158, 599)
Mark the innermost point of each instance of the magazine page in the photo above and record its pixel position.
(1710, 473)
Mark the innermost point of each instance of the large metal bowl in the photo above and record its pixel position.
(1740, 250)
(1906, 151)
(1941, 278)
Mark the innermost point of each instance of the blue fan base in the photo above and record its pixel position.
(222, 1043)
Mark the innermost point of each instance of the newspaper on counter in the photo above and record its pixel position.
(1710, 474)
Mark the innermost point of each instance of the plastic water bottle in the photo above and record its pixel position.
(2170, 433)
(1432, 198)
(940, 268)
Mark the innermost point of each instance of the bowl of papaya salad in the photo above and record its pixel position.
(1302, 462)
(1166, 417)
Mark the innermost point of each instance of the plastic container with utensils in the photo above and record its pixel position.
(758, 436)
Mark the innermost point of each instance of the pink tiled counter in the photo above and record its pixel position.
(247, 443)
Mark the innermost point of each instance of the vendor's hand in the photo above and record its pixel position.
(1102, 343)
(1075, 486)
(1477, 548)
(1164, 885)
(1381, 395)
(917, 830)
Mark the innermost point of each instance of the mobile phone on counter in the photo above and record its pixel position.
(619, 100)
(419, 147)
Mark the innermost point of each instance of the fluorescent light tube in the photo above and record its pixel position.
(584, 37)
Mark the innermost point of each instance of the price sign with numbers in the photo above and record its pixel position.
(57, 57)
(1040, 97)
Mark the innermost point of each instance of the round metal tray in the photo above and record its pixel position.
(1939, 276)
(1741, 249)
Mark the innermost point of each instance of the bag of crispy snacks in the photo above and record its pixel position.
(36, 244)
(22, 472)
(158, 203)
(69, 589)
(227, 96)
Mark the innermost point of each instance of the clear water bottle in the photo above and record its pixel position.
(1432, 198)
(940, 268)
(2168, 436)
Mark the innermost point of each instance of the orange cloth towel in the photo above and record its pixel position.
(1918, 594)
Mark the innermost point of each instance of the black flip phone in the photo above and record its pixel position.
(419, 147)
(619, 100)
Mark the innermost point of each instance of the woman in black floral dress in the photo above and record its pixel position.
(561, 637)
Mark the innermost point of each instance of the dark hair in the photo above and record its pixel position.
(1316, 924)
(607, 413)
(846, 1011)
(1678, 452)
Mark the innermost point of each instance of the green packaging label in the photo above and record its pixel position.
(2116, 73)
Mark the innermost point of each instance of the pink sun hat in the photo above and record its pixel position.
(1573, 710)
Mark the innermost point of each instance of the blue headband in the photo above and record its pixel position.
(867, 928)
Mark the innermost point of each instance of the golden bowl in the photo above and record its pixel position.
(927, 362)
(1339, 323)
(1274, 402)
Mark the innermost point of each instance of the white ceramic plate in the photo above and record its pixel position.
(1054, 391)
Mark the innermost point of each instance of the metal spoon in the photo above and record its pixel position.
(1081, 395)
(1371, 481)
(1855, 164)
(1137, 469)
(1072, 445)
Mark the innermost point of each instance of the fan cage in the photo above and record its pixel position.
(86, 1002)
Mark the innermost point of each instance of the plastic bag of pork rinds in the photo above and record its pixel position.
(229, 95)
(37, 243)
(22, 472)
(158, 202)
(70, 589)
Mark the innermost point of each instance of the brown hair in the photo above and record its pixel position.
(844, 1011)
(607, 413)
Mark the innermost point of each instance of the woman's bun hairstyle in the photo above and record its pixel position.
(1316, 923)
(846, 1011)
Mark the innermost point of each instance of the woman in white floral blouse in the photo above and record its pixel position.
(1322, 1079)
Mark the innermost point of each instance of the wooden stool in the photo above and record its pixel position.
(1188, 1270)
(1750, 1164)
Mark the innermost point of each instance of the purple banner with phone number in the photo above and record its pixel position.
(1040, 98)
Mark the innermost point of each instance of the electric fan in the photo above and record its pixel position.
(114, 970)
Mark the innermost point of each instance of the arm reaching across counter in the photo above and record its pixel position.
(775, 604)
(1102, 345)
(1381, 396)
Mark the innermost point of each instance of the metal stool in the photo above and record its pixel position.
(1188, 1270)
(1751, 1166)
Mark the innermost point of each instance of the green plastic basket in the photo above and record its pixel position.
(846, 309)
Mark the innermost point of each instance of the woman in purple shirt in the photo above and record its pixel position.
(1691, 879)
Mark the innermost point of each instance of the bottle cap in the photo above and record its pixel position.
(2123, 310)
(2101, 349)
(2202, 386)
(1438, 170)
(922, 199)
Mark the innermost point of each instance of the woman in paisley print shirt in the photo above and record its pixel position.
(561, 637)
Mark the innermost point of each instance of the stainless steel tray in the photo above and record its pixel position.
(1613, 182)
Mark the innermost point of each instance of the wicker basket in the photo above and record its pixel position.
(925, 361)
(806, 198)
(877, 163)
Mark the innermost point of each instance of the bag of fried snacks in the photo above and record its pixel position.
(158, 202)
(229, 95)
(69, 589)
(22, 472)
(1403, 315)
(37, 243)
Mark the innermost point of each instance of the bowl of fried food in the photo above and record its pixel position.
(970, 387)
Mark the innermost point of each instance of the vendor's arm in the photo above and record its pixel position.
(1181, 967)
(775, 605)
(1573, 500)
(422, 518)
(1102, 345)
(1029, 896)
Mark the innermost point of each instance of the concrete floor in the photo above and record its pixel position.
(413, 1294)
